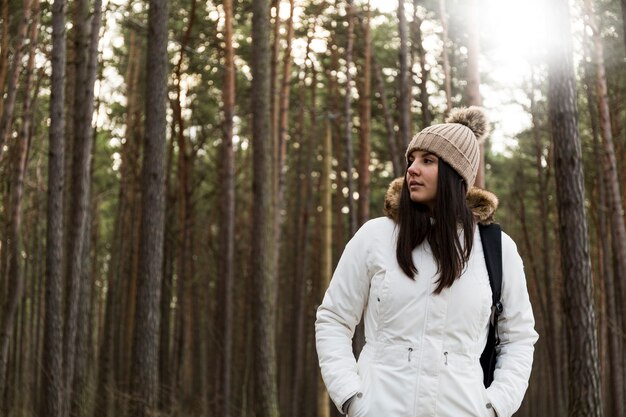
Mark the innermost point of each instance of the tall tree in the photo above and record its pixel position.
(417, 43)
(394, 155)
(365, 116)
(20, 148)
(79, 192)
(52, 362)
(613, 195)
(263, 245)
(580, 320)
(84, 136)
(228, 213)
(404, 79)
(145, 370)
(8, 104)
(447, 77)
(347, 108)
(474, 97)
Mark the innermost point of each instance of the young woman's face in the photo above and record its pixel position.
(421, 176)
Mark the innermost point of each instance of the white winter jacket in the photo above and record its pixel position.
(421, 356)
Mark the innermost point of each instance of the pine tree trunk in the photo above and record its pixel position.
(404, 80)
(614, 200)
(145, 368)
(580, 321)
(15, 277)
(228, 220)
(8, 105)
(263, 245)
(473, 76)
(447, 77)
(77, 381)
(326, 246)
(394, 155)
(4, 49)
(347, 109)
(52, 361)
(20, 151)
(79, 189)
(552, 288)
(365, 111)
(418, 48)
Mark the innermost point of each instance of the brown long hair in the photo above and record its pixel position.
(440, 227)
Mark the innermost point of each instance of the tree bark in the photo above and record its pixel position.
(52, 366)
(404, 80)
(580, 321)
(228, 219)
(347, 109)
(365, 113)
(614, 197)
(446, 60)
(8, 105)
(552, 288)
(79, 193)
(263, 245)
(145, 375)
(418, 48)
(473, 77)
(394, 155)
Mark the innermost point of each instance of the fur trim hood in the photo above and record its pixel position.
(482, 203)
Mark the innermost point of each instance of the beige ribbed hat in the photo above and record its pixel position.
(456, 141)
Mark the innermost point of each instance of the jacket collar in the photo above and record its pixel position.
(482, 203)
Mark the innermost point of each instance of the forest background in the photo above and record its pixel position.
(179, 178)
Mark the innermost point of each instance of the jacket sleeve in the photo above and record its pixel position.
(517, 335)
(337, 317)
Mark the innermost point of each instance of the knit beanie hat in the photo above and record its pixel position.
(456, 141)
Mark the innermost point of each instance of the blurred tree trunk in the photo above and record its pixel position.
(184, 374)
(473, 76)
(52, 362)
(365, 116)
(608, 329)
(20, 149)
(447, 77)
(580, 321)
(15, 277)
(274, 92)
(263, 224)
(326, 248)
(615, 203)
(4, 49)
(78, 384)
(552, 288)
(228, 220)
(347, 110)
(308, 153)
(122, 274)
(145, 370)
(623, 3)
(404, 79)
(418, 48)
(86, 56)
(395, 156)
(8, 104)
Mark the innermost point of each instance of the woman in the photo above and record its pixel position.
(419, 279)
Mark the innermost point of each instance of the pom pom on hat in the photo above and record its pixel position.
(472, 117)
(457, 141)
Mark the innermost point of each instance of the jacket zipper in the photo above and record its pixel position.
(445, 354)
(410, 350)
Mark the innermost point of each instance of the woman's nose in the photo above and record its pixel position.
(413, 169)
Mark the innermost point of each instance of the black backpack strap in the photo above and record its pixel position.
(491, 238)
